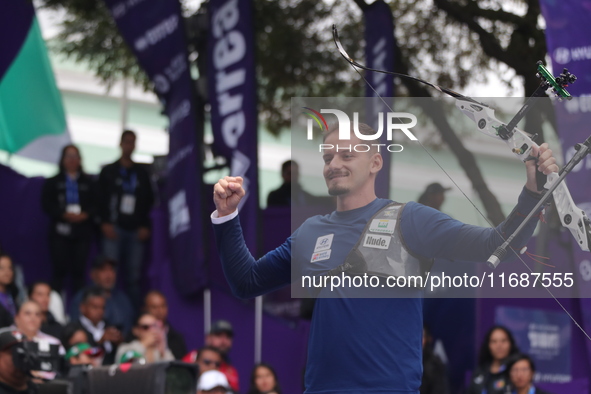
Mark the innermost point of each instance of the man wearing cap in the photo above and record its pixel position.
(433, 196)
(221, 336)
(362, 345)
(119, 311)
(12, 380)
(213, 382)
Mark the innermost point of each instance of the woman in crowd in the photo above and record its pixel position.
(8, 291)
(150, 342)
(264, 380)
(491, 376)
(521, 375)
(28, 321)
(69, 200)
(40, 292)
(73, 335)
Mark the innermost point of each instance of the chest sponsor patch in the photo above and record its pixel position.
(377, 241)
(384, 226)
(323, 243)
(319, 256)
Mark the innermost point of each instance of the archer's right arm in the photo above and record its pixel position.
(247, 277)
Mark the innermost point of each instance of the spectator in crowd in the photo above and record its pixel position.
(72, 335)
(150, 342)
(69, 199)
(208, 358)
(521, 375)
(40, 293)
(119, 311)
(491, 375)
(213, 382)
(434, 372)
(220, 337)
(264, 380)
(156, 305)
(433, 196)
(125, 200)
(91, 320)
(84, 354)
(12, 380)
(28, 321)
(290, 193)
(8, 291)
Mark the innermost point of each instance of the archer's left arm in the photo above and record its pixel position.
(433, 234)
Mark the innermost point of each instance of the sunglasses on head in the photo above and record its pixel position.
(209, 362)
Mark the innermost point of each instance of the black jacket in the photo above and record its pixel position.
(176, 343)
(493, 383)
(434, 374)
(51, 326)
(111, 191)
(53, 202)
(6, 319)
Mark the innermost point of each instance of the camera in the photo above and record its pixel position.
(28, 356)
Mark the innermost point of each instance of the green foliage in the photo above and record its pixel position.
(89, 35)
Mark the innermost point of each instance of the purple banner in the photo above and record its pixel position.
(155, 33)
(379, 54)
(568, 35)
(232, 89)
(15, 21)
(545, 336)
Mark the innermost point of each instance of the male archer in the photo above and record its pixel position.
(361, 345)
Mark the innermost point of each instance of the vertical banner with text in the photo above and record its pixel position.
(155, 32)
(233, 98)
(379, 54)
(568, 35)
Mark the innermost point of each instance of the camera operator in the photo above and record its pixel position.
(12, 380)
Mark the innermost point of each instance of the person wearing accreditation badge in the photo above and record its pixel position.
(361, 345)
(125, 201)
(69, 200)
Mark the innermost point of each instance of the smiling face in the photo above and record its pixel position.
(346, 171)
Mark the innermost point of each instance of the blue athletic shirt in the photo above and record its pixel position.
(359, 345)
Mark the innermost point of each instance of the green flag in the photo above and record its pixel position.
(32, 119)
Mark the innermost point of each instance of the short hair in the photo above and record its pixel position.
(286, 165)
(38, 283)
(210, 348)
(363, 128)
(155, 292)
(518, 357)
(128, 132)
(93, 291)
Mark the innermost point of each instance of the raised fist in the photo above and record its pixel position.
(227, 193)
